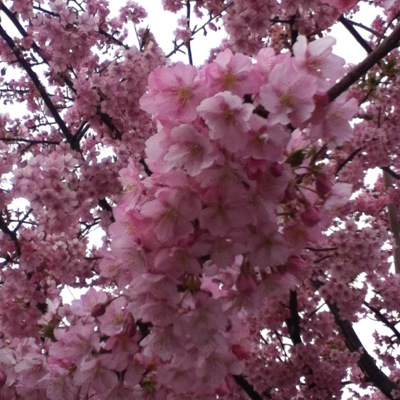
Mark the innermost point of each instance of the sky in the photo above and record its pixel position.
(163, 24)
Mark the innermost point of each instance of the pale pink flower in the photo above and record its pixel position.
(190, 150)
(317, 58)
(112, 322)
(334, 125)
(95, 374)
(88, 301)
(227, 117)
(288, 95)
(233, 73)
(267, 250)
(174, 93)
(171, 214)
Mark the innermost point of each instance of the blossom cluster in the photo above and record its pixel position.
(234, 195)
(234, 257)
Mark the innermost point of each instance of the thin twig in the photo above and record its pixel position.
(30, 141)
(349, 26)
(188, 45)
(177, 47)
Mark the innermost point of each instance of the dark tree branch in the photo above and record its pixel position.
(113, 39)
(293, 323)
(391, 172)
(366, 363)
(43, 93)
(22, 221)
(177, 47)
(12, 235)
(108, 122)
(34, 45)
(381, 51)
(245, 385)
(145, 167)
(188, 45)
(362, 26)
(105, 206)
(349, 26)
(347, 160)
(383, 319)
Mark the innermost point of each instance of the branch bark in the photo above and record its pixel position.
(39, 86)
(366, 363)
(390, 43)
(245, 385)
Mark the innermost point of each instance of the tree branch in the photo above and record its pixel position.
(393, 222)
(200, 28)
(347, 160)
(245, 385)
(383, 319)
(362, 26)
(366, 363)
(188, 45)
(293, 322)
(349, 26)
(30, 141)
(34, 45)
(43, 93)
(12, 235)
(390, 43)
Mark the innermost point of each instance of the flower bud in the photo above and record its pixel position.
(99, 309)
(322, 184)
(311, 216)
(276, 169)
(3, 378)
(245, 283)
(255, 168)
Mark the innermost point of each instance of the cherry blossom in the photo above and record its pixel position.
(218, 219)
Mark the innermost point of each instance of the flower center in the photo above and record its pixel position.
(184, 94)
(228, 80)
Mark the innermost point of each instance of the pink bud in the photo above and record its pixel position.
(276, 169)
(296, 266)
(245, 283)
(254, 168)
(322, 184)
(311, 216)
(98, 310)
(239, 351)
(130, 327)
(3, 378)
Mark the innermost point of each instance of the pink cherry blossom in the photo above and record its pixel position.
(174, 93)
(288, 95)
(217, 219)
(227, 117)
(192, 151)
